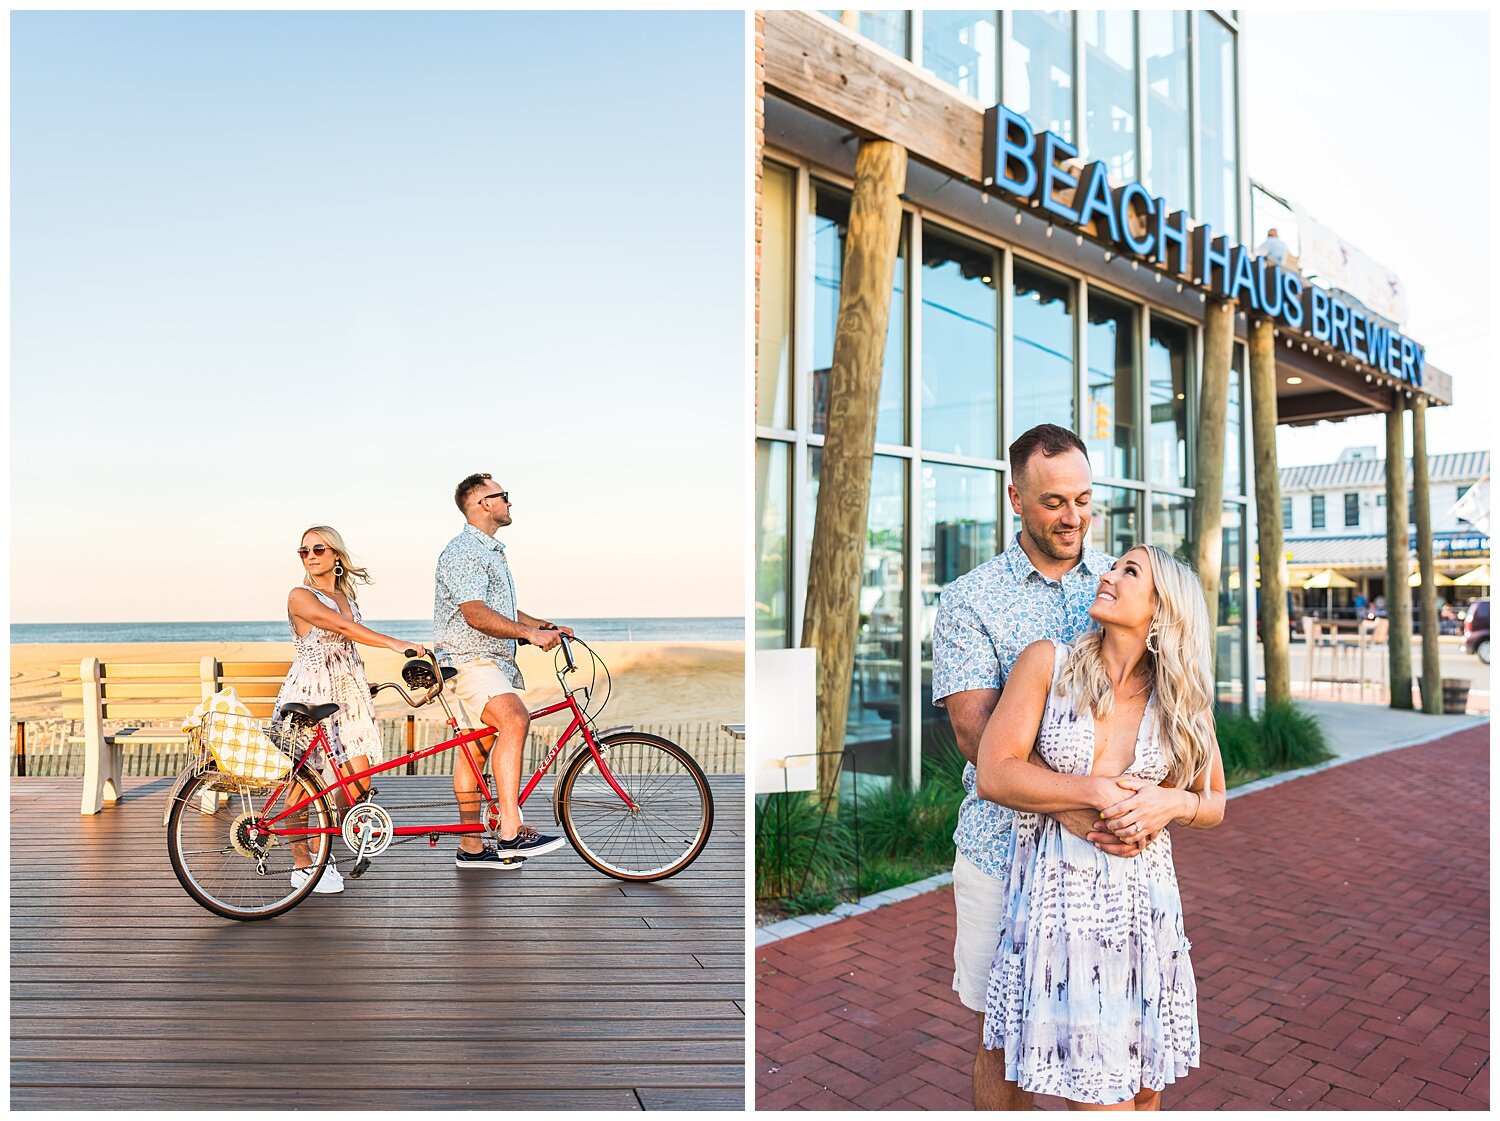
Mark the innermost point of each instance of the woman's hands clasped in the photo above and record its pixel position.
(1147, 811)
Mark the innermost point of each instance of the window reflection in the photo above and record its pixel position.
(1167, 357)
(1218, 139)
(877, 720)
(1042, 381)
(773, 363)
(1164, 47)
(1229, 666)
(1039, 70)
(961, 48)
(830, 228)
(772, 578)
(1109, 90)
(1116, 525)
(1169, 524)
(1109, 416)
(891, 29)
(960, 346)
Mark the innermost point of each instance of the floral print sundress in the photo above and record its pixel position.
(327, 668)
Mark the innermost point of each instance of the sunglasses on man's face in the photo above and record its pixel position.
(502, 495)
(315, 550)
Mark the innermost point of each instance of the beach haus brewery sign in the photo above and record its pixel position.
(1027, 165)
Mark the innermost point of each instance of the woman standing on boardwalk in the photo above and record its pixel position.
(325, 623)
(1091, 994)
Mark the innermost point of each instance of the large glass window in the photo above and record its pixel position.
(1319, 515)
(962, 49)
(1109, 90)
(1234, 429)
(1039, 70)
(1042, 382)
(1164, 46)
(1229, 663)
(1286, 513)
(1351, 510)
(1167, 359)
(1109, 414)
(773, 359)
(876, 725)
(830, 228)
(960, 346)
(1169, 524)
(1116, 524)
(772, 574)
(1219, 139)
(891, 29)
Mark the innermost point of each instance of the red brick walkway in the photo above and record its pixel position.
(1340, 925)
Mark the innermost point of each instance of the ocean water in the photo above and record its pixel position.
(705, 629)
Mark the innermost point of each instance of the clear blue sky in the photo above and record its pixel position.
(1378, 124)
(272, 269)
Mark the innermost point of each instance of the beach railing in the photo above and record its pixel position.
(49, 754)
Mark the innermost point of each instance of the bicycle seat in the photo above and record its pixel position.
(308, 713)
(418, 673)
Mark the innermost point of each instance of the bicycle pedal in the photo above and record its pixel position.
(360, 868)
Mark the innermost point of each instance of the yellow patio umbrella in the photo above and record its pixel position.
(1480, 577)
(1328, 578)
(1438, 581)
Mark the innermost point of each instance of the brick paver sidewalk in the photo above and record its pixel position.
(1340, 927)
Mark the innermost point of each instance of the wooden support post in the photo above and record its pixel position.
(1274, 636)
(1432, 669)
(1397, 554)
(1208, 473)
(101, 759)
(20, 749)
(831, 615)
(411, 742)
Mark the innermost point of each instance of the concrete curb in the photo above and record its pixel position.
(787, 928)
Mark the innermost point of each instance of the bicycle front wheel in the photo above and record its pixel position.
(669, 824)
(230, 867)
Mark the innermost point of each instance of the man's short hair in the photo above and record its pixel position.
(1048, 439)
(470, 484)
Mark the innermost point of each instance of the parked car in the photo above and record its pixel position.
(1477, 630)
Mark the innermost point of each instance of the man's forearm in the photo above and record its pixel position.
(488, 621)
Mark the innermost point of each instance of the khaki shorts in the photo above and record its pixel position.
(476, 684)
(980, 903)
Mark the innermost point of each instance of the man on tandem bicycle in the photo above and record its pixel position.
(476, 626)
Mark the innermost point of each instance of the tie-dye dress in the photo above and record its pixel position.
(328, 668)
(1091, 993)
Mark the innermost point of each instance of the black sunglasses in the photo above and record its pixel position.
(316, 550)
(502, 495)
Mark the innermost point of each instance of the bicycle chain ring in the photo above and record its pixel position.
(369, 825)
(241, 841)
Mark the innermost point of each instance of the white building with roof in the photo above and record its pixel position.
(1334, 516)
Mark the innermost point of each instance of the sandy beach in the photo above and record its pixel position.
(654, 682)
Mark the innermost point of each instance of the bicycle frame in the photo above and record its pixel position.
(343, 782)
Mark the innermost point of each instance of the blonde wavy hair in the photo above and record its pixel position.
(352, 574)
(1181, 669)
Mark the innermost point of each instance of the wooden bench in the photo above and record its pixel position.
(158, 695)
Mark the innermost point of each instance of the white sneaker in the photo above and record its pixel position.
(331, 884)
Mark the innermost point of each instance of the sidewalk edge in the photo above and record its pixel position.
(787, 928)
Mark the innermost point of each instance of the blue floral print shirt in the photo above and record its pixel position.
(985, 619)
(473, 567)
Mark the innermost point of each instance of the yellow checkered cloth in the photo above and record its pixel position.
(224, 725)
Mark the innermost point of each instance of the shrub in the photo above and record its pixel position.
(1291, 737)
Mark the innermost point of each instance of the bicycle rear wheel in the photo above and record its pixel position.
(674, 811)
(223, 863)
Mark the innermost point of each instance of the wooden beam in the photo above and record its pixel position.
(817, 63)
(1432, 670)
(1208, 475)
(831, 620)
(1397, 548)
(1269, 539)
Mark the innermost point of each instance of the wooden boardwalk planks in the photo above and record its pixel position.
(422, 986)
